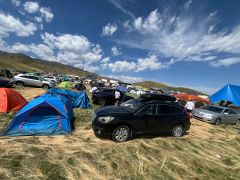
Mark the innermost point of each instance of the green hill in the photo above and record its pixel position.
(152, 84)
(26, 63)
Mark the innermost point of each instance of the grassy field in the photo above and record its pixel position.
(206, 152)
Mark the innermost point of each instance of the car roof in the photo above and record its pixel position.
(222, 107)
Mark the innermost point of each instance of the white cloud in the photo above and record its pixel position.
(40, 50)
(10, 24)
(105, 60)
(16, 3)
(116, 51)
(31, 7)
(118, 4)
(47, 14)
(120, 66)
(151, 23)
(181, 37)
(38, 19)
(188, 4)
(128, 79)
(109, 29)
(75, 50)
(225, 62)
(151, 62)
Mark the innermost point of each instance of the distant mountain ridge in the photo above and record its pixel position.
(152, 84)
(26, 63)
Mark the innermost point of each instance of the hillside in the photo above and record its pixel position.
(152, 84)
(26, 63)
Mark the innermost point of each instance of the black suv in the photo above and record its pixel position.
(106, 96)
(5, 83)
(151, 113)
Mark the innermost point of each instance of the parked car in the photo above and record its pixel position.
(50, 78)
(106, 96)
(35, 81)
(217, 115)
(147, 114)
(5, 83)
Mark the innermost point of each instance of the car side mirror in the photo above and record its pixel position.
(225, 113)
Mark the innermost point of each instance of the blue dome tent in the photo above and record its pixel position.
(78, 99)
(45, 115)
(227, 93)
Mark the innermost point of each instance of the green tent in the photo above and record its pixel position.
(65, 84)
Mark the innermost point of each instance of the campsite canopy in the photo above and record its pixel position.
(45, 115)
(78, 99)
(11, 100)
(227, 93)
(192, 97)
(65, 84)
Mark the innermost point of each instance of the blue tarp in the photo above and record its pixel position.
(227, 93)
(78, 99)
(47, 114)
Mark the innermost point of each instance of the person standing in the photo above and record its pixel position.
(117, 97)
(190, 106)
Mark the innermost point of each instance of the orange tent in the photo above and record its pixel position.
(11, 100)
(188, 97)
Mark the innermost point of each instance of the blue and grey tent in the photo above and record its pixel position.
(78, 99)
(227, 93)
(45, 115)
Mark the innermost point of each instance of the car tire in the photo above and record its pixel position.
(45, 86)
(237, 122)
(121, 134)
(102, 102)
(218, 121)
(178, 131)
(19, 84)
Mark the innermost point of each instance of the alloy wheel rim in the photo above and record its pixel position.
(238, 122)
(178, 131)
(121, 134)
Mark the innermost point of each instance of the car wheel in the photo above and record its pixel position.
(19, 84)
(238, 122)
(102, 102)
(121, 134)
(178, 131)
(45, 86)
(218, 121)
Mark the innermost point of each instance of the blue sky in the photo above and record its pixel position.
(191, 43)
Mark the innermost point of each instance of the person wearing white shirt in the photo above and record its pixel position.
(190, 106)
(117, 97)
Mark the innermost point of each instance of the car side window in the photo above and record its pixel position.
(176, 110)
(226, 111)
(149, 110)
(232, 111)
(163, 109)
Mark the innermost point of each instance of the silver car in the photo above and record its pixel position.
(27, 80)
(217, 115)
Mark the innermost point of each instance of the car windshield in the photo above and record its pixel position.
(132, 105)
(214, 109)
